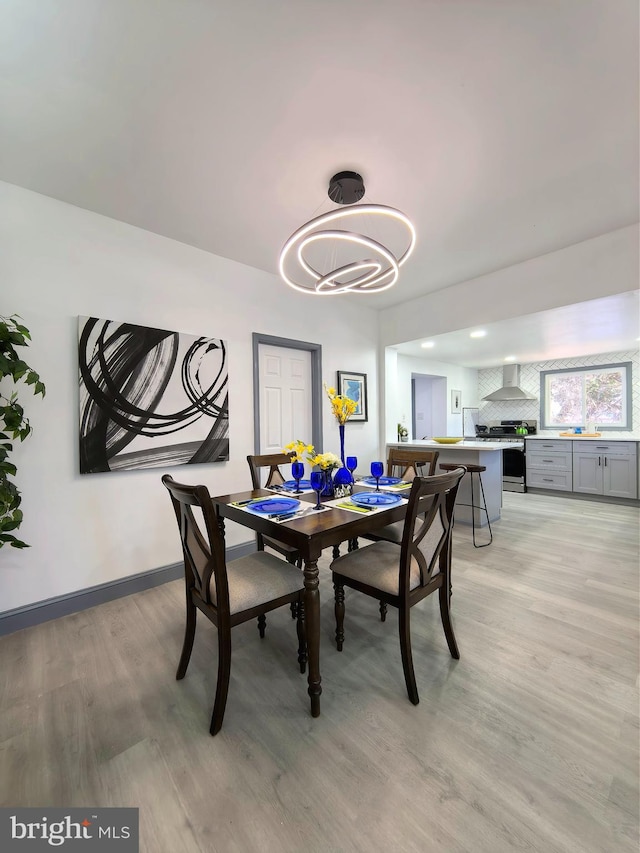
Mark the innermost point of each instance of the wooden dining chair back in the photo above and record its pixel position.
(272, 461)
(409, 464)
(227, 593)
(275, 477)
(403, 576)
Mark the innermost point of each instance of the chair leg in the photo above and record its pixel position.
(293, 607)
(405, 651)
(262, 624)
(189, 635)
(383, 611)
(222, 687)
(486, 512)
(445, 615)
(338, 588)
(301, 628)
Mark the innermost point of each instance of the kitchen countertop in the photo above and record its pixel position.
(467, 444)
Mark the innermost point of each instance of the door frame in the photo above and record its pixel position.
(316, 385)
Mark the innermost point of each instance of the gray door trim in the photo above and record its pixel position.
(316, 385)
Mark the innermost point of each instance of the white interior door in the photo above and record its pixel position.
(285, 396)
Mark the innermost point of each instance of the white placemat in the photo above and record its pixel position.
(289, 492)
(279, 520)
(396, 487)
(346, 503)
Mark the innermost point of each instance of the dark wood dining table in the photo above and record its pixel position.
(309, 534)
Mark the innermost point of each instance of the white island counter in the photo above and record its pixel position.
(487, 453)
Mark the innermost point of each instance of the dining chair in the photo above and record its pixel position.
(228, 593)
(406, 464)
(275, 477)
(403, 576)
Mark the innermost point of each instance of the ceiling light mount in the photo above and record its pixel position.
(322, 259)
(346, 188)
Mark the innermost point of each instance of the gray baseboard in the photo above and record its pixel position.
(82, 599)
(579, 496)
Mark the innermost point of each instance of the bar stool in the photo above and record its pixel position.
(471, 470)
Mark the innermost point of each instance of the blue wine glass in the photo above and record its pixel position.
(352, 464)
(377, 470)
(297, 471)
(317, 484)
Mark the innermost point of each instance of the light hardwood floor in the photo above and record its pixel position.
(529, 742)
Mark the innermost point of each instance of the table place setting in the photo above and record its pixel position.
(366, 502)
(390, 484)
(278, 509)
(291, 487)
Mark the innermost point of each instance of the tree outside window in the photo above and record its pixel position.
(587, 395)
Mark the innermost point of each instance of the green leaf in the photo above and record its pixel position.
(8, 539)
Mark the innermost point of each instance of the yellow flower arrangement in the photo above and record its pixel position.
(341, 406)
(301, 452)
(297, 449)
(325, 461)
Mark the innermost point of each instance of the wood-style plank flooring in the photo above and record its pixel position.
(528, 743)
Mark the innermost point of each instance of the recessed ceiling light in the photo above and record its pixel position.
(479, 333)
(509, 358)
(427, 345)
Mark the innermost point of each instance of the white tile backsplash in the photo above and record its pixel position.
(490, 379)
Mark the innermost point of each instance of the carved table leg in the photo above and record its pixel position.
(312, 615)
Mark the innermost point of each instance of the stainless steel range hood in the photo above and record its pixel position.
(510, 386)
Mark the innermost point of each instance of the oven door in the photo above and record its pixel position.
(513, 470)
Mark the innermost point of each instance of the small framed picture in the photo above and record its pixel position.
(354, 386)
(456, 402)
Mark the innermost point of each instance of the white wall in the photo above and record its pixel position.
(459, 378)
(602, 266)
(60, 262)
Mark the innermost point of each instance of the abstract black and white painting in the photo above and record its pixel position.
(150, 398)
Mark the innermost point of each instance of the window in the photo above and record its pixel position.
(599, 395)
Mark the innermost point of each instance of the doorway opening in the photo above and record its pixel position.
(428, 405)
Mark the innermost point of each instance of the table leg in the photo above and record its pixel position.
(312, 614)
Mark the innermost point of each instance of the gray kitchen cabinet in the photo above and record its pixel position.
(549, 465)
(605, 468)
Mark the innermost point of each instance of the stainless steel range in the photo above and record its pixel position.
(514, 469)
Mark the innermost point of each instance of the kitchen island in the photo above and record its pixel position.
(487, 453)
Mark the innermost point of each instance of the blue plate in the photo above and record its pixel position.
(290, 485)
(384, 481)
(375, 499)
(274, 505)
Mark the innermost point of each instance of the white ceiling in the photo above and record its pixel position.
(505, 130)
(611, 324)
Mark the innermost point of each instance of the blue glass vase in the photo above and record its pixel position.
(327, 491)
(342, 481)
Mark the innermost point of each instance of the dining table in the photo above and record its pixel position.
(309, 534)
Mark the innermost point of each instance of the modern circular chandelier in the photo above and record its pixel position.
(323, 259)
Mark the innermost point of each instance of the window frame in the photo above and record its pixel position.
(624, 366)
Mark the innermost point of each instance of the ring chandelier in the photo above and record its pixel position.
(366, 265)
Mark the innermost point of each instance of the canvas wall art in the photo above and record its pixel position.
(150, 398)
